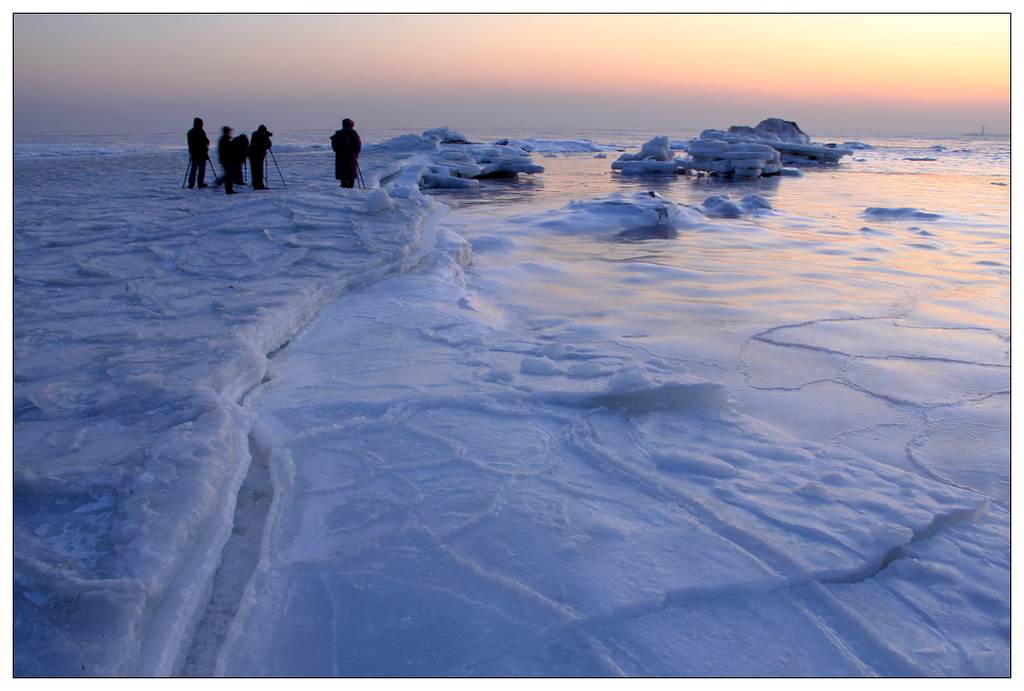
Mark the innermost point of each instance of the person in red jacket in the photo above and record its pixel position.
(346, 145)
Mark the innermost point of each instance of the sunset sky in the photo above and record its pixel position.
(930, 74)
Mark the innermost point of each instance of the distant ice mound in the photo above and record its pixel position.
(443, 158)
(655, 157)
(785, 136)
(742, 152)
(882, 213)
(555, 146)
(724, 207)
(446, 135)
(783, 130)
(738, 158)
(644, 213)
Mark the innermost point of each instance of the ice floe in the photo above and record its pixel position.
(442, 158)
(793, 144)
(619, 213)
(722, 206)
(561, 146)
(882, 213)
(740, 152)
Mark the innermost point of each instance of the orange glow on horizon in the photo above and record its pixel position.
(878, 63)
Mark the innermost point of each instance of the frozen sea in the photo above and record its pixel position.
(564, 425)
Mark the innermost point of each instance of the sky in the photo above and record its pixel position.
(843, 74)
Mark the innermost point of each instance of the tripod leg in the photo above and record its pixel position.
(274, 158)
(212, 168)
(187, 169)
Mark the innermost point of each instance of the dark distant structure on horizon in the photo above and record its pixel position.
(983, 133)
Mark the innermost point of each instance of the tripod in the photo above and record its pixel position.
(188, 169)
(359, 174)
(274, 158)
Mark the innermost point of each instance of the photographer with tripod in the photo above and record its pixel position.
(226, 152)
(259, 145)
(198, 153)
(346, 145)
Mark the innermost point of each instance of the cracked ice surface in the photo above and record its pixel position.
(609, 435)
(469, 486)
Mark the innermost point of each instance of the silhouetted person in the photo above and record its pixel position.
(240, 151)
(258, 147)
(346, 145)
(226, 154)
(198, 152)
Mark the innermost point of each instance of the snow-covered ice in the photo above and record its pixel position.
(784, 136)
(143, 318)
(570, 146)
(741, 152)
(443, 158)
(591, 425)
(882, 213)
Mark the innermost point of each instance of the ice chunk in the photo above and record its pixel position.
(656, 149)
(784, 136)
(618, 213)
(753, 202)
(407, 142)
(378, 200)
(629, 167)
(881, 213)
(442, 158)
(784, 130)
(559, 146)
(446, 135)
(739, 159)
(654, 157)
(721, 207)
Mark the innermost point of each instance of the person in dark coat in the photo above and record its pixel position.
(346, 145)
(198, 152)
(240, 151)
(226, 154)
(258, 147)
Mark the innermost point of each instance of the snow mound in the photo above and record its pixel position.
(379, 200)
